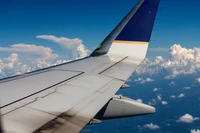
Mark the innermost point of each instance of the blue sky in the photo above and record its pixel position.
(91, 21)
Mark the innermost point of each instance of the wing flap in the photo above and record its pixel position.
(63, 106)
(25, 120)
(74, 120)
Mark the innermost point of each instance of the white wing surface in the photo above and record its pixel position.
(66, 97)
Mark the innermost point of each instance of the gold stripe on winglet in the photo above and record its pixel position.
(130, 42)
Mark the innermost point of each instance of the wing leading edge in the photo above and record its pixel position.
(67, 97)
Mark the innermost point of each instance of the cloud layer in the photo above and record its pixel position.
(45, 53)
(182, 61)
(143, 81)
(13, 66)
(195, 131)
(187, 118)
(151, 126)
(181, 95)
(37, 57)
(74, 46)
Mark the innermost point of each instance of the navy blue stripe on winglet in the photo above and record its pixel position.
(140, 26)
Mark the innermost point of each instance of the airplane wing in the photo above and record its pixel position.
(67, 97)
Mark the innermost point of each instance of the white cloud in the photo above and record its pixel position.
(195, 131)
(159, 97)
(181, 95)
(164, 102)
(198, 80)
(173, 96)
(187, 118)
(156, 89)
(149, 80)
(37, 57)
(139, 100)
(186, 88)
(172, 83)
(75, 46)
(129, 80)
(151, 126)
(45, 53)
(152, 102)
(142, 81)
(13, 66)
(138, 80)
(182, 61)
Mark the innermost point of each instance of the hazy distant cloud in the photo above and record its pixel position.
(152, 102)
(182, 61)
(195, 131)
(74, 46)
(173, 96)
(164, 102)
(151, 126)
(159, 97)
(172, 83)
(186, 88)
(198, 80)
(138, 80)
(139, 100)
(142, 81)
(129, 80)
(187, 118)
(156, 89)
(45, 53)
(181, 95)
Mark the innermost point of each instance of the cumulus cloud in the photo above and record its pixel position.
(186, 88)
(138, 80)
(139, 100)
(173, 96)
(159, 97)
(152, 102)
(182, 61)
(164, 102)
(74, 46)
(187, 118)
(156, 89)
(181, 95)
(151, 126)
(198, 80)
(172, 84)
(45, 53)
(195, 131)
(13, 66)
(142, 81)
(38, 57)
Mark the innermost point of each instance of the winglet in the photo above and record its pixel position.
(135, 28)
